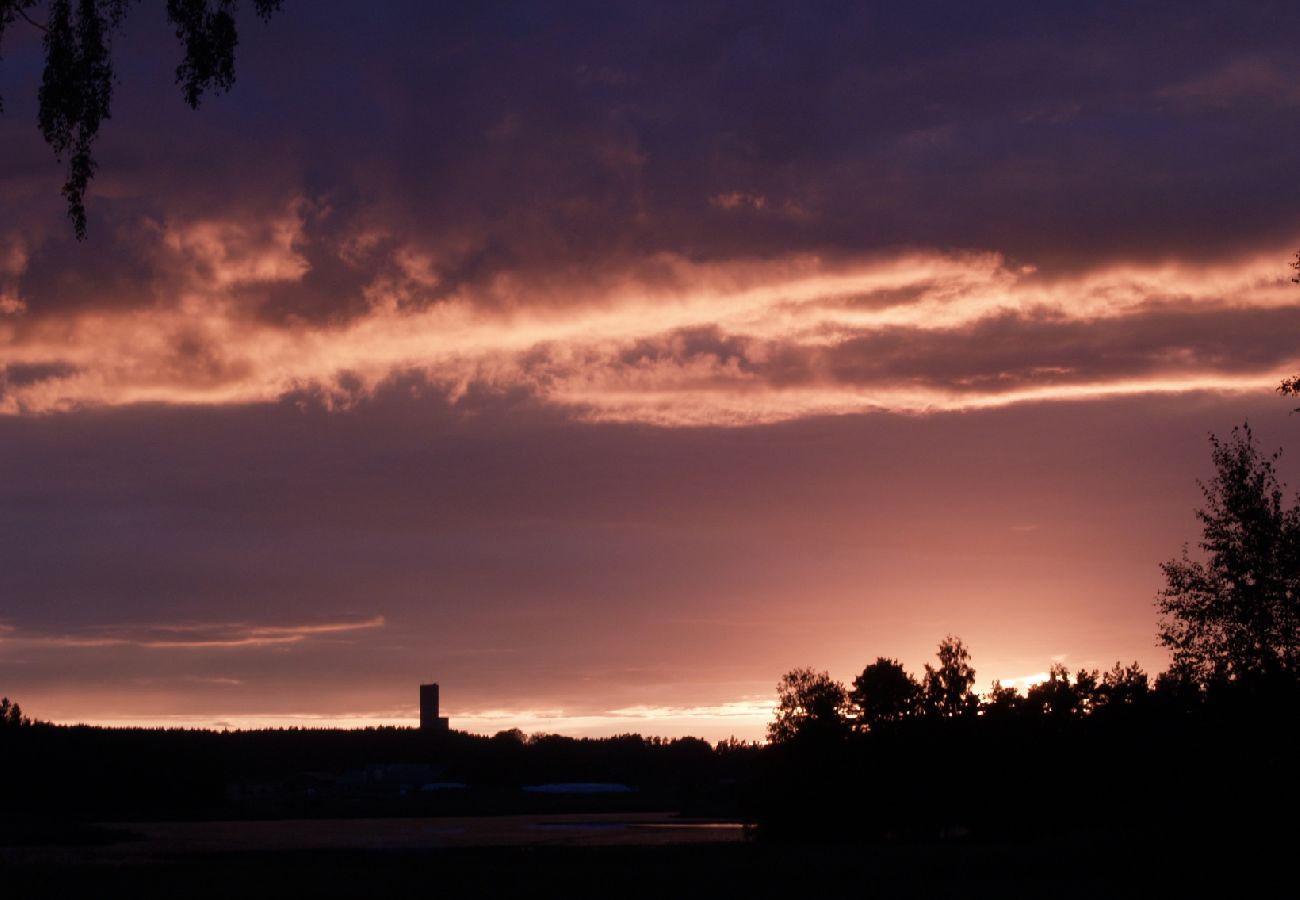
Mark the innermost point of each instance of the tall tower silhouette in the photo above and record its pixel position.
(429, 718)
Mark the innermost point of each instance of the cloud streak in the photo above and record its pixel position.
(670, 342)
(235, 635)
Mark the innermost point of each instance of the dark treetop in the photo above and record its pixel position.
(77, 85)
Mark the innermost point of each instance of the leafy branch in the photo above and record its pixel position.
(76, 90)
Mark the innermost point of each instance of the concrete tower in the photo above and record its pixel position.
(429, 718)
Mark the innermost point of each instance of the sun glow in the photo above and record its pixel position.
(745, 719)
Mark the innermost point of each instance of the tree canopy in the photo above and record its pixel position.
(809, 704)
(949, 688)
(1290, 387)
(11, 714)
(77, 83)
(1236, 613)
(885, 692)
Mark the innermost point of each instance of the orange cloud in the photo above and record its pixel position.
(698, 344)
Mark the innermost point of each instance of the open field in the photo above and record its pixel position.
(147, 842)
(621, 856)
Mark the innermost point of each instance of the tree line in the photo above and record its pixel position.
(885, 694)
(1230, 619)
(1204, 751)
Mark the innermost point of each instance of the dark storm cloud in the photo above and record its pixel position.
(1010, 350)
(523, 138)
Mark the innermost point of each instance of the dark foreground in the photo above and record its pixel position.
(581, 860)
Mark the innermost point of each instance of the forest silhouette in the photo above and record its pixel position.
(1207, 742)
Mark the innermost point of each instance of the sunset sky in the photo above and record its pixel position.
(604, 361)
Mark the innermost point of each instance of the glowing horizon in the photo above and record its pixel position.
(744, 719)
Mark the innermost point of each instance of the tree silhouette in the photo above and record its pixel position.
(1122, 686)
(1058, 697)
(1003, 701)
(77, 84)
(948, 688)
(809, 704)
(1236, 614)
(11, 715)
(884, 692)
(1291, 386)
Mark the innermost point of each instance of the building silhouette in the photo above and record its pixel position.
(430, 721)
